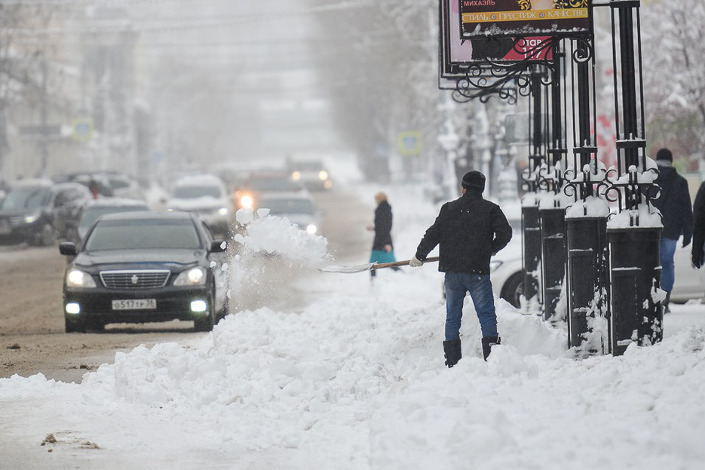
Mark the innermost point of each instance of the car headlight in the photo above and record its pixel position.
(191, 277)
(223, 211)
(30, 219)
(296, 175)
(312, 229)
(494, 265)
(323, 175)
(78, 278)
(246, 201)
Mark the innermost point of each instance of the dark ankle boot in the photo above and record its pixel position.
(666, 308)
(452, 352)
(487, 344)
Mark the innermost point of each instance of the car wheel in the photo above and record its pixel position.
(207, 321)
(513, 289)
(77, 327)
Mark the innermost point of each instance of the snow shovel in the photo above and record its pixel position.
(369, 266)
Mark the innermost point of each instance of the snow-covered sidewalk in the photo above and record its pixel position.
(355, 380)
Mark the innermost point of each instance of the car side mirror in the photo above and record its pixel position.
(68, 249)
(217, 246)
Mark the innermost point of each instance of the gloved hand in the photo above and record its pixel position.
(415, 263)
(686, 242)
(696, 256)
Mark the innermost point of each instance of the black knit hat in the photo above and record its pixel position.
(664, 154)
(474, 179)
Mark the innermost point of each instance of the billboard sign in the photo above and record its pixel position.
(457, 54)
(512, 18)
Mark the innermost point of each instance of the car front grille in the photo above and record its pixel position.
(146, 279)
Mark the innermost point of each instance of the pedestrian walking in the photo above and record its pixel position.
(676, 217)
(382, 246)
(468, 231)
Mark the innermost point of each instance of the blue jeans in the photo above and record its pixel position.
(667, 250)
(480, 288)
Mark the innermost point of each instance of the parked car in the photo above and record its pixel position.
(205, 195)
(39, 211)
(139, 267)
(299, 208)
(506, 270)
(98, 207)
(264, 182)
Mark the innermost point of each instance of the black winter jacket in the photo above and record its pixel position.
(383, 226)
(674, 204)
(469, 231)
(698, 248)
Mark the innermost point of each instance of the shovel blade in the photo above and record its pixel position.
(347, 269)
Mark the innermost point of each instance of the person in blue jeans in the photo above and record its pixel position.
(467, 231)
(676, 216)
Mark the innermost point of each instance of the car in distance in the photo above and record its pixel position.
(299, 208)
(141, 267)
(206, 196)
(39, 211)
(103, 206)
(264, 182)
(311, 173)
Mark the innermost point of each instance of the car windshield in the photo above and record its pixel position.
(30, 197)
(145, 234)
(91, 214)
(194, 192)
(288, 206)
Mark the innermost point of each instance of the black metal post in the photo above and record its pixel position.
(588, 281)
(530, 217)
(588, 256)
(635, 271)
(531, 248)
(553, 257)
(553, 254)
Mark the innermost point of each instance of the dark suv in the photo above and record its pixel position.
(39, 211)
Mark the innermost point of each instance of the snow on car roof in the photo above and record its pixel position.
(116, 201)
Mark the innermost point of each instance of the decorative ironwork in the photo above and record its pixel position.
(561, 4)
(508, 79)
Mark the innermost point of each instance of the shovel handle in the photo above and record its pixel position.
(400, 263)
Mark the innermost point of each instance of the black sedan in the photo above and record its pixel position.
(139, 267)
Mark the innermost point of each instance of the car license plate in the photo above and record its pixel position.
(135, 304)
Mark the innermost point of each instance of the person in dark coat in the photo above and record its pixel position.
(676, 217)
(697, 251)
(382, 246)
(468, 232)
